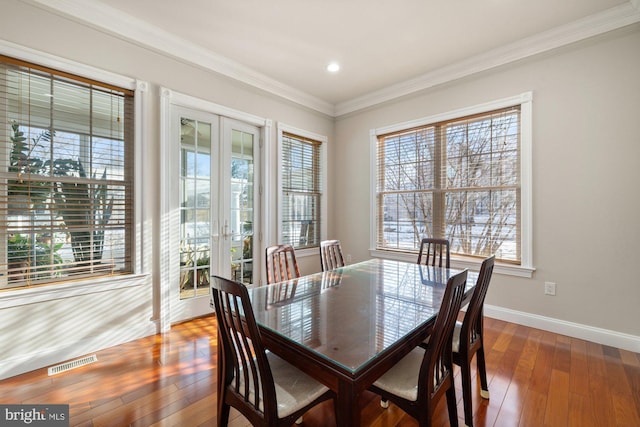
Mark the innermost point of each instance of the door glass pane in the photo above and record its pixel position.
(195, 207)
(242, 184)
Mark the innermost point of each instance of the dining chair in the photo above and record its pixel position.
(264, 388)
(418, 381)
(281, 263)
(331, 255)
(432, 252)
(468, 340)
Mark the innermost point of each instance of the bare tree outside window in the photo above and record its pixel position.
(458, 180)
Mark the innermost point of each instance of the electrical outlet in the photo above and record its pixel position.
(348, 258)
(549, 288)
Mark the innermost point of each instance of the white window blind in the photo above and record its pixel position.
(301, 191)
(457, 179)
(66, 177)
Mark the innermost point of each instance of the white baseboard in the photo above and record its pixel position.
(53, 355)
(575, 330)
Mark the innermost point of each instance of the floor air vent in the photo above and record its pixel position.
(67, 366)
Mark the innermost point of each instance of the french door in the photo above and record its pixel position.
(214, 206)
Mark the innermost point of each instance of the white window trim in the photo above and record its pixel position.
(525, 100)
(282, 128)
(140, 264)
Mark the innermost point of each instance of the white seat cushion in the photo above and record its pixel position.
(294, 388)
(402, 379)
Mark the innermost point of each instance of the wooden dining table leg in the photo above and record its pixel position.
(348, 405)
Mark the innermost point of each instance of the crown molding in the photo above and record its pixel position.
(590, 26)
(110, 20)
(62, 64)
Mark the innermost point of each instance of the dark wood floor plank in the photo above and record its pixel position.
(541, 375)
(557, 411)
(633, 375)
(562, 355)
(630, 358)
(141, 407)
(596, 359)
(163, 410)
(78, 417)
(512, 406)
(498, 387)
(580, 411)
(622, 392)
(504, 339)
(625, 411)
(534, 409)
(600, 394)
(579, 371)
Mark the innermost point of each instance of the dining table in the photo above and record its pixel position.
(346, 327)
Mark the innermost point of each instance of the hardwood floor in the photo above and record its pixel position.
(536, 378)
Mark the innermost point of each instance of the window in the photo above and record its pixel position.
(301, 186)
(66, 177)
(458, 177)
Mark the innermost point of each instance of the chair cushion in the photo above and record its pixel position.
(455, 343)
(294, 388)
(402, 379)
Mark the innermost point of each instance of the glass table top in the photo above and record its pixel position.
(352, 314)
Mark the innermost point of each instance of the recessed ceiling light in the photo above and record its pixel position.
(333, 67)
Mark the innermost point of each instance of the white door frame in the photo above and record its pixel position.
(170, 99)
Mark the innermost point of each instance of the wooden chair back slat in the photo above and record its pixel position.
(281, 263)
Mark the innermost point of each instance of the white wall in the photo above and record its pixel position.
(36, 334)
(586, 173)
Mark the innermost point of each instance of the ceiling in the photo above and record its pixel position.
(385, 48)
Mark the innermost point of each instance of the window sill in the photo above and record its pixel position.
(461, 263)
(38, 294)
(306, 252)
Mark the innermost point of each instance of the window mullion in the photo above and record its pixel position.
(439, 197)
